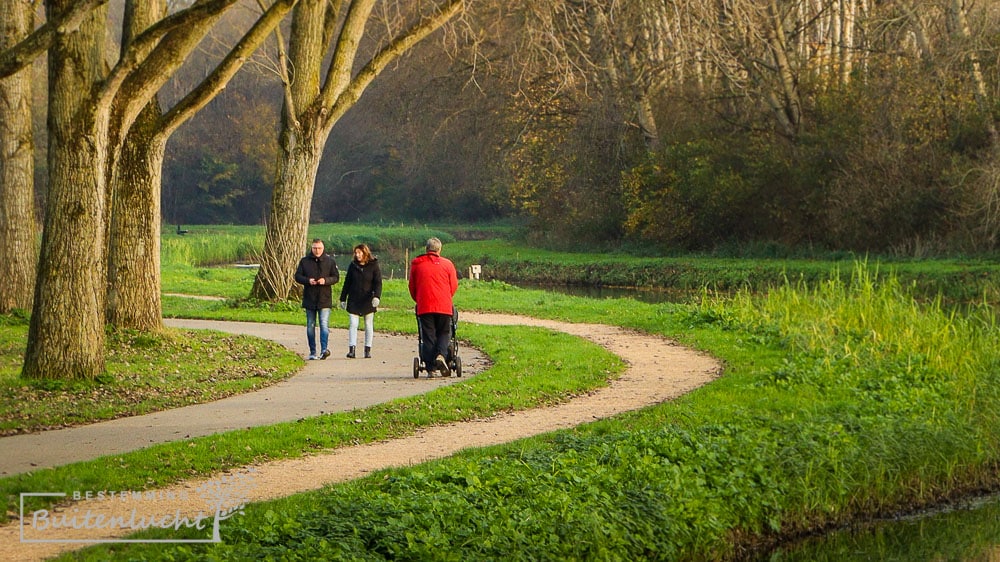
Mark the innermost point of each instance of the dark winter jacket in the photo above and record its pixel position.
(361, 284)
(316, 297)
(433, 281)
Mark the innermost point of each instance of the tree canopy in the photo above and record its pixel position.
(690, 124)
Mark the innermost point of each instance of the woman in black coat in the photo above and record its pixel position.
(360, 296)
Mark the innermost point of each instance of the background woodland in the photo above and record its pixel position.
(662, 127)
(683, 125)
(839, 124)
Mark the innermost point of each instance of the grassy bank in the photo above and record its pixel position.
(840, 400)
(957, 280)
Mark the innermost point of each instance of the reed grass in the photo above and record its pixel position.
(896, 390)
(212, 245)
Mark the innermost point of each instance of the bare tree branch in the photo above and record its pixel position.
(39, 41)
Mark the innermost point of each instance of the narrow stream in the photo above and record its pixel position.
(643, 295)
(970, 533)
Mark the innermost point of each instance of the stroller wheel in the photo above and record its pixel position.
(458, 366)
(416, 367)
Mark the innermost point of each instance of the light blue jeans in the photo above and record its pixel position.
(352, 331)
(323, 315)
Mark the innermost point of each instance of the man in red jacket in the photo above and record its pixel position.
(433, 282)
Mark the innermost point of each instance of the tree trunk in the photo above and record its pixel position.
(18, 252)
(309, 114)
(788, 108)
(288, 223)
(299, 153)
(134, 241)
(980, 90)
(66, 335)
(133, 294)
(847, 47)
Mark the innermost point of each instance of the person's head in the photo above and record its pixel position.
(362, 253)
(434, 245)
(317, 247)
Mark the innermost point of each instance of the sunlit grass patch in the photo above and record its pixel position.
(146, 372)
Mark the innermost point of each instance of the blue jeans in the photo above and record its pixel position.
(324, 328)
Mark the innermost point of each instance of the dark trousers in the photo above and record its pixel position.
(435, 336)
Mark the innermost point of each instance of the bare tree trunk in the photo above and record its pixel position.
(299, 153)
(66, 335)
(91, 110)
(133, 293)
(18, 251)
(789, 108)
(322, 32)
(961, 26)
(920, 33)
(134, 240)
(288, 222)
(647, 120)
(849, 16)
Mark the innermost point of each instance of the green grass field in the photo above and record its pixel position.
(842, 398)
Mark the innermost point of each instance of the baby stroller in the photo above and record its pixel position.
(453, 360)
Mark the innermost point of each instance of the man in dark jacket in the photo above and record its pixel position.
(433, 282)
(317, 273)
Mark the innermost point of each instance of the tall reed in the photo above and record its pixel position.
(211, 248)
(866, 321)
(901, 382)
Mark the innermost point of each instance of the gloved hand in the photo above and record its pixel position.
(343, 305)
(375, 301)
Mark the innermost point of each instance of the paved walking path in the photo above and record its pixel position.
(336, 384)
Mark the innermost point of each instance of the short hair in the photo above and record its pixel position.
(315, 240)
(433, 245)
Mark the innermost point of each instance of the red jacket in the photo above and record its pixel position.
(433, 281)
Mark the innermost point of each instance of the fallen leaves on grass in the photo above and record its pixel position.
(146, 373)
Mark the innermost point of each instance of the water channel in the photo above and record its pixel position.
(652, 296)
(966, 532)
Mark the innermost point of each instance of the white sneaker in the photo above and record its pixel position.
(312, 357)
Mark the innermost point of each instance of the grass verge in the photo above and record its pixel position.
(145, 373)
(844, 400)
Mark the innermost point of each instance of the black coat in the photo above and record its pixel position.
(316, 297)
(361, 283)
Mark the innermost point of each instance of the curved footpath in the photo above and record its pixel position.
(658, 370)
(336, 384)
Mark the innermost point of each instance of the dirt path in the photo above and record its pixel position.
(658, 370)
